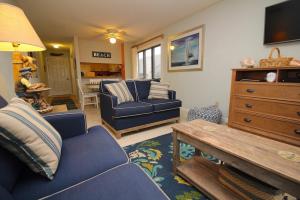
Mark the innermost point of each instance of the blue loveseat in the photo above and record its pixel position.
(92, 167)
(141, 113)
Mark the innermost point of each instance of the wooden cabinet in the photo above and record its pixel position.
(268, 109)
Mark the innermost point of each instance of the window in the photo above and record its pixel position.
(140, 64)
(149, 63)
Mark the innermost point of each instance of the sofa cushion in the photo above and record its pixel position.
(10, 169)
(130, 85)
(121, 91)
(82, 157)
(126, 182)
(4, 194)
(3, 102)
(163, 104)
(132, 109)
(158, 90)
(26, 134)
(102, 87)
(143, 89)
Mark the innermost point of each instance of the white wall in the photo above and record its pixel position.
(128, 61)
(234, 30)
(7, 87)
(87, 46)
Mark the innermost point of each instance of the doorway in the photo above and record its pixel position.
(58, 73)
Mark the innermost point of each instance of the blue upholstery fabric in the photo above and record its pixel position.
(3, 102)
(68, 124)
(143, 88)
(132, 109)
(128, 115)
(163, 104)
(129, 122)
(130, 84)
(4, 194)
(107, 102)
(132, 88)
(82, 157)
(10, 169)
(126, 182)
(102, 87)
(172, 94)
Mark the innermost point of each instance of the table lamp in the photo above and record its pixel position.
(16, 32)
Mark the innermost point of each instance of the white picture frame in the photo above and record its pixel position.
(186, 50)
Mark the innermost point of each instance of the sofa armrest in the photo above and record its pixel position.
(107, 103)
(109, 99)
(172, 94)
(68, 124)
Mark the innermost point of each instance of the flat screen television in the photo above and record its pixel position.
(282, 22)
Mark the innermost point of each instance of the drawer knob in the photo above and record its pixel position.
(298, 113)
(248, 105)
(247, 120)
(250, 90)
(297, 131)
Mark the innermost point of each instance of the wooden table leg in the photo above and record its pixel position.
(176, 153)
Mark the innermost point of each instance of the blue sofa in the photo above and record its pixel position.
(92, 167)
(139, 114)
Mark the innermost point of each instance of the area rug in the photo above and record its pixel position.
(155, 157)
(60, 101)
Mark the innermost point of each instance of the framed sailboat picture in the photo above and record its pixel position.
(186, 50)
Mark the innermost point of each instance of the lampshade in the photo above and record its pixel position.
(16, 32)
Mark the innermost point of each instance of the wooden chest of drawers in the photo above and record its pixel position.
(267, 109)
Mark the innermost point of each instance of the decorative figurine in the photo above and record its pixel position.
(31, 92)
(28, 62)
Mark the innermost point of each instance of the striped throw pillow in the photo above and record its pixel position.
(120, 90)
(158, 90)
(26, 134)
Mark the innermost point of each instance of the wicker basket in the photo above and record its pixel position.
(275, 62)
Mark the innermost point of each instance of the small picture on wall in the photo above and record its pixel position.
(186, 50)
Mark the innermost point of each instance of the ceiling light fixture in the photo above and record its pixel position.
(112, 40)
(56, 46)
(113, 35)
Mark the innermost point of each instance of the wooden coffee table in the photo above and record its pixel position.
(273, 162)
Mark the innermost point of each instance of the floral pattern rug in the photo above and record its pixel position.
(155, 157)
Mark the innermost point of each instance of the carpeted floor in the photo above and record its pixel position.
(155, 157)
(69, 102)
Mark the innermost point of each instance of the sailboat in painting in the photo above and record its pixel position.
(189, 56)
(185, 51)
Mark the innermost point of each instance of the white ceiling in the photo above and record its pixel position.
(59, 20)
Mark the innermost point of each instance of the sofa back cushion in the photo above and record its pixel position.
(143, 88)
(102, 87)
(130, 85)
(3, 102)
(10, 169)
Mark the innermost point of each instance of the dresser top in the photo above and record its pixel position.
(265, 68)
(280, 158)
